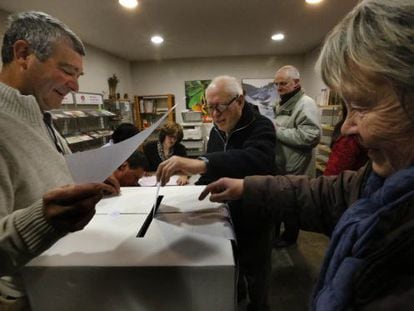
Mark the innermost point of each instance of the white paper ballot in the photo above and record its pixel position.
(97, 164)
(151, 181)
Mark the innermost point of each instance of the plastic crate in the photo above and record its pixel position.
(191, 116)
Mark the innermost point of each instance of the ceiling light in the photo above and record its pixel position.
(130, 4)
(157, 39)
(278, 37)
(313, 1)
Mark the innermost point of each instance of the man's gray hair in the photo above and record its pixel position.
(41, 31)
(375, 38)
(292, 71)
(229, 84)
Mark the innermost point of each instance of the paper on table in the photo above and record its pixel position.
(133, 200)
(97, 164)
(151, 181)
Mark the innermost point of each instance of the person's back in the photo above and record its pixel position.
(122, 132)
(347, 153)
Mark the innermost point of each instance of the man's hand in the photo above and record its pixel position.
(113, 181)
(179, 165)
(71, 207)
(182, 180)
(223, 190)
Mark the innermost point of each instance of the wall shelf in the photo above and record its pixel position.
(149, 108)
(83, 122)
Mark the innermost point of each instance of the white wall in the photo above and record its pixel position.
(98, 67)
(163, 77)
(312, 78)
(168, 76)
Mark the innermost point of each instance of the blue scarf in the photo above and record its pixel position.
(353, 231)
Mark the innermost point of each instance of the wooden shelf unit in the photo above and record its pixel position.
(149, 108)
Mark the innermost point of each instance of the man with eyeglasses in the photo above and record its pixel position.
(298, 132)
(241, 143)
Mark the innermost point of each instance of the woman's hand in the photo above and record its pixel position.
(223, 190)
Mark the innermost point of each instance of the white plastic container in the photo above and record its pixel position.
(191, 116)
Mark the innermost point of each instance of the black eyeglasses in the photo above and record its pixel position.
(220, 107)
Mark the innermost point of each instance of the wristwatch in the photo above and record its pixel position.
(205, 160)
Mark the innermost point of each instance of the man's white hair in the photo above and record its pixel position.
(292, 71)
(230, 85)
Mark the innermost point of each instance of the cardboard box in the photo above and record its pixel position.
(184, 262)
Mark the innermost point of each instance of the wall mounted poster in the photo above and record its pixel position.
(85, 98)
(194, 96)
(263, 94)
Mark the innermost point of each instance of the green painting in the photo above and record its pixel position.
(194, 94)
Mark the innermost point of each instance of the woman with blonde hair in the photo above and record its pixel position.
(369, 214)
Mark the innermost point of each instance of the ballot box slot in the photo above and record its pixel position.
(148, 219)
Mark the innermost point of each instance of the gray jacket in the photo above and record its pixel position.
(297, 132)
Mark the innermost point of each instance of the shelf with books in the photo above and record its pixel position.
(149, 109)
(83, 122)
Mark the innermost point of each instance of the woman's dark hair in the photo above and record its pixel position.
(124, 131)
(171, 129)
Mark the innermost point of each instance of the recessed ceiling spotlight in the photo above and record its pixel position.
(278, 37)
(157, 39)
(313, 1)
(130, 4)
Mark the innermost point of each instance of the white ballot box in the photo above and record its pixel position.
(184, 262)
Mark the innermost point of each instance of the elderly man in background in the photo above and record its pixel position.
(241, 143)
(297, 132)
(39, 204)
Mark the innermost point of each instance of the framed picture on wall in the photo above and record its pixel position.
(194, 94)
(261, 93)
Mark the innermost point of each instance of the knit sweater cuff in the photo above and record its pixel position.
(36, 233)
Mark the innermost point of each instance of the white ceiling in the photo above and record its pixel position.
(194, 28)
